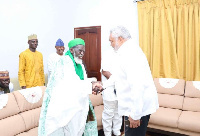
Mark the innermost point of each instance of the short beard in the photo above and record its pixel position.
(116, 45)
(77, 60)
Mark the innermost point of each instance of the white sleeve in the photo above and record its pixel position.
(109, 82)
(11, 88)
(105, 65)
(49, 65)
(136, 77)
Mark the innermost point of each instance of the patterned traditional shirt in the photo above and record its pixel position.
(31, 69)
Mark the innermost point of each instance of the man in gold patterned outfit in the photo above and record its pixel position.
(31, 69)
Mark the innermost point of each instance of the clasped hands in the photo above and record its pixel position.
(97, 87)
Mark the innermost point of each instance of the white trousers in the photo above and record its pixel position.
(111, 119)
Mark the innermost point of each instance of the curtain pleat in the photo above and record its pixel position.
(169, 35)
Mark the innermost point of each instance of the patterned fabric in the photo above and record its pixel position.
(91, 126)
(168, 82)
(47, 97)
(55, 78)
(31, 69)
(32, 95)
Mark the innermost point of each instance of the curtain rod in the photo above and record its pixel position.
(137, 0)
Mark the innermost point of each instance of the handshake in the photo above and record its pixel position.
(97, 87)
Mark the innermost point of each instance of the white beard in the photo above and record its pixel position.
(78, 61)
(116, 47)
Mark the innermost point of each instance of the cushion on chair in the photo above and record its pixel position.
(23, 134)
(191, 90)
(165, 117)
(191, 104)
(31, 118)
(12, 125)
(33, 132)
(96, 99)
(170, 101)
(169, 87)
(23, 104)
(189, 121)
(98, 112)
(11, 107)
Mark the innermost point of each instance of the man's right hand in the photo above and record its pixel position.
(96, 87)
(134, 123)
(23, 87)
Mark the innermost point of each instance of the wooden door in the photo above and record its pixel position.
(92, 58)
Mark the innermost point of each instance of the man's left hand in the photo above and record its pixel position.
(96, 87)
(134, 123)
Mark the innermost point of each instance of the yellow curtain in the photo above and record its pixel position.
(169, 34)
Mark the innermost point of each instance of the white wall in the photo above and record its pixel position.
(53, 19)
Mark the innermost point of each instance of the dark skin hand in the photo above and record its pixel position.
(107, 74)
(23, 87)
(96, 87)
(134, 123)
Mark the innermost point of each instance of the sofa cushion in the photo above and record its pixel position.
(24, 105)
(191, 104)
(96, 99)
(11, 107)
(189, 121)
(31, 118)
(170, 101)
(165, 117)
(12, 125)
(32, 132)
(23, 134)
(98, 112)
(191, 90)
(177, 87)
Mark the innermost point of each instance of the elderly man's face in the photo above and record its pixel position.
(78, 53)
(33, 43)
(60, 50)
(5, 82)
(115, 42)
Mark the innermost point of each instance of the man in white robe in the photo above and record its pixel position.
(135, 89)
(111, 120)
(66, 100)
(54, 57)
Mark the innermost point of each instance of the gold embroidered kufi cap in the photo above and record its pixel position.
(31, 37)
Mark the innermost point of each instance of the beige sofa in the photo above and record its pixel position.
(97, 102)
(21, 118)
(16, 85)
(179, 110)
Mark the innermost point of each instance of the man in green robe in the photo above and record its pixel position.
(66, 103)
